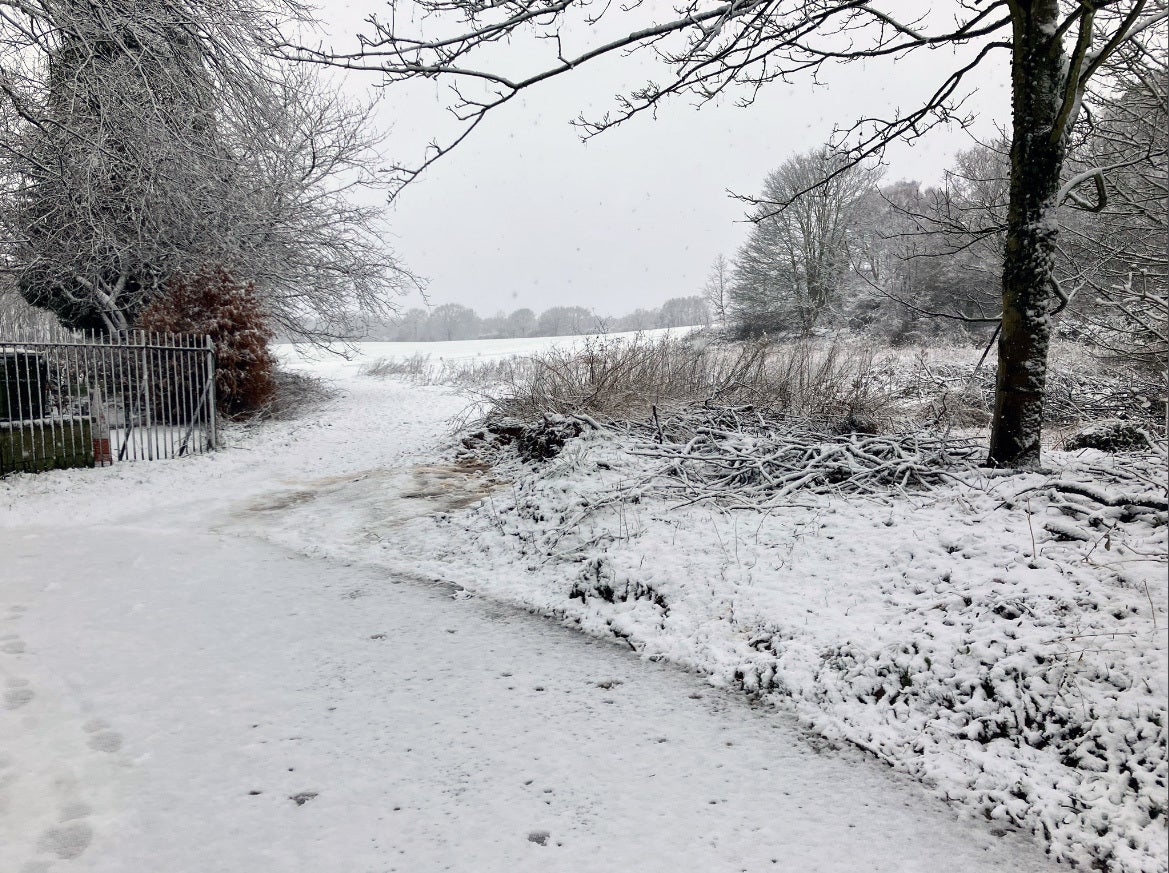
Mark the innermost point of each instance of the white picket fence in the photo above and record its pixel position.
(72, 399)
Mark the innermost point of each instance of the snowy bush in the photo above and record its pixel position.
(1110, 435)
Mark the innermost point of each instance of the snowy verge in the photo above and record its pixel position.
(1002, 648)
(1005, 643)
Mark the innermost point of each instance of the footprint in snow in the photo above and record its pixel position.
(17, 695)
(106, 741)
(72, 834)
(11, 644)
(66, 841)
(75, 810)
(102, 739)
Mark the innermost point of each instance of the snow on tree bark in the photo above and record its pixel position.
(1038, 83)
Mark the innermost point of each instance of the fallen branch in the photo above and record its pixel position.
(1148, 501)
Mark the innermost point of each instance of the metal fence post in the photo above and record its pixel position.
(147, 394)
(211, 439)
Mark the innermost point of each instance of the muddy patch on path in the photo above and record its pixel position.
(364, 505)
(450, 487)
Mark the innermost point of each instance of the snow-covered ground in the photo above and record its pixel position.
(359, 355)
(256, 660)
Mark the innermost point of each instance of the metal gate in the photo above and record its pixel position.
(73, 399)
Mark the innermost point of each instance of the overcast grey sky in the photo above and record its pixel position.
(523, 214)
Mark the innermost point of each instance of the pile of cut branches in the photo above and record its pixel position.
(1121, 504)
(739, 459)
(1079, 390)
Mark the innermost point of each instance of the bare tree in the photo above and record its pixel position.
(790, 272)
(565, 321)
(411, 326)
(935, 253)
(521, 323)
(685, 312)
(452, 321)
(1117, 258)
(717, 290)
(1056, 47)
(97, 152)
(146, 141)
(637, 320)
(317, 252)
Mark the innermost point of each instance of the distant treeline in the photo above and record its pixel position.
(451, 321)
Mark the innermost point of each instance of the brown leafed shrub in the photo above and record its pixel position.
(214, 302)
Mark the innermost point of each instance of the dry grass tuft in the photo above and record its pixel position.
(628, 379)
(417, 367)
(295, 394)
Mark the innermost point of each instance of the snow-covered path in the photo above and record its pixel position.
(176, 703)
(179, 697)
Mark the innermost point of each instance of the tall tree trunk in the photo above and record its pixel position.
(1038, 80)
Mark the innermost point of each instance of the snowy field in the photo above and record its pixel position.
(323, 649)
(359, 355)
